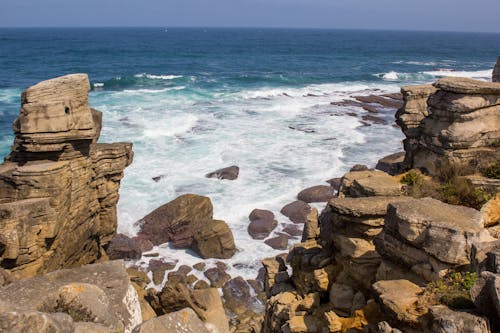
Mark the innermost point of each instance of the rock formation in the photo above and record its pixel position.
(99, 294)
(496, 71)
(58, 186)
(187, 222)
(454, 122)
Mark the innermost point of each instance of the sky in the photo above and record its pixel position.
(434, 15)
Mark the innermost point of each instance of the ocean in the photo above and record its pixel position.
(193, 100)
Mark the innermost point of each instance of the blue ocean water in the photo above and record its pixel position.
(194, 100)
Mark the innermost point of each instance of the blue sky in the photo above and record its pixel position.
(448, 15)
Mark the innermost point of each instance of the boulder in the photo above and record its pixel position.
(99, 293)
(187, 222)
(399, 299)
(311, 227)
(262, 223)
(369, 183)
(34, 321)
(58, 187)
(182, 321)
(335, 183)
(485, 293)
(319, 193)
(123, 247)
(236, 294)
(177, 220)
(296, 211)
(443, 319)
(392, 164)
(491, 211)
(293, 230)
(229, 173)
(217, 276)
(214, 240)
(358, 167)
(496, 72)
(279, 242)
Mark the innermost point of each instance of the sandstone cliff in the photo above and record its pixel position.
(58, 186)
(456, 121)
(496, 71)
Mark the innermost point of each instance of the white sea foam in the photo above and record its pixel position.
(150, 91)
(432, 75)
(282, 144)
(159, 77)
(98, 85)
(483, 74)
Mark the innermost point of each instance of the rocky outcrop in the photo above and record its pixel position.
(496, 72)
(58, 187)
(99, 294)
(392, 164)
(369, 183)
(455, 122)
(182, 321)
(187, 222)
(229, 173)
(426, 238)
(262, 223)
(319, 193)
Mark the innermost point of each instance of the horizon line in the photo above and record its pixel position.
(246, 27)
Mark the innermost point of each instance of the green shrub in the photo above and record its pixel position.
(412, 178)
(493, 170)
(453, 290)
(459, 191)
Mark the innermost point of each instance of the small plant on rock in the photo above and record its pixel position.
(493, 170)
(452, 290)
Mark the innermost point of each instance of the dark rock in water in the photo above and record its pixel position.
(302, 129)
(229, 173)
(397, 96)
(335, 183)
(158, 267)
(385, 102)
(123, 247)
(279, 242)
(214, 240)
(293, 230)
(201, 284)
(144, 243)
(236, 294)
(319, 193)
(262, 223)
(359, 167)
(392, 164)
(199, 266)
(217, 276)
(296, 211)
(373, 119)
(496, 71)
(158, 178)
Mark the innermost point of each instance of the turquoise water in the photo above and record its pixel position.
(195, 100)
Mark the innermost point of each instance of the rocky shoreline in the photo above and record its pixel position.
(410, 246)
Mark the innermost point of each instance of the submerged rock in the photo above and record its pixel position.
(229, 173)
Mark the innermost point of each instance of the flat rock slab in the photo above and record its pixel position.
(467, 86)
(182, 321)
(369, 183)
(445, 231)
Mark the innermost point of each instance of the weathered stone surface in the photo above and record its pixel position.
(230, 173)
(187, 221)
(458, 124)
(99, 293)
(123, 247)
(392, 164)
(158, 267)
(443, 319)
(262, 223)
(311, 227)
(296, 211)
(369, 183)
(217, 276)
(58, 187)
(485, 294)
(491, 211)
(182, 321)
(399, 299)
(236, 294)
(496, 72)
(280, 242)
(319, 193)
(430, 237)
(34, 321)
(214, 240)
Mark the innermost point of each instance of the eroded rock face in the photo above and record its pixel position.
(496, 71)
(182, 321)
(58, 187)
(99, 293)
(456, 121)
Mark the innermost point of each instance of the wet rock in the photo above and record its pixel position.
(358, 167)
(279, 242)
(217, 276)
(335, 183)
(158, 267)
(229, 173)
(182, 321)
(214, 240)
(158, 178)
(123, 247)
(199, 266)
(373, 119)
(262, 223)
(144, 244)
(293, 230)
(392, 164)
(319, 193)
(296, 211)
(381, 100)
(236, 294)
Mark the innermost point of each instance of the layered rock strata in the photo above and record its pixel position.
(58, 186)
(456, 121)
